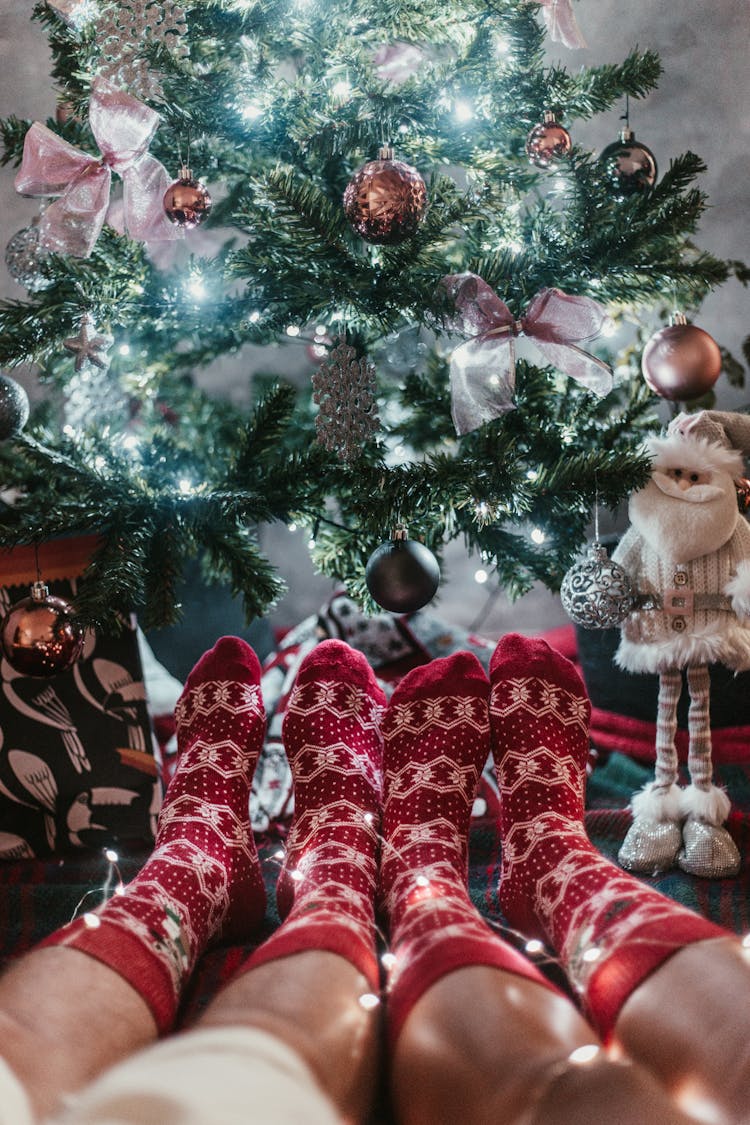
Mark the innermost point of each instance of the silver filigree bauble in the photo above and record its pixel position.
(597, 593)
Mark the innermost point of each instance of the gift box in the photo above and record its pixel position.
(78, 766)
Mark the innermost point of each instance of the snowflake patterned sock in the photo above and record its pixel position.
(331, 733)
(436, 741)
(609, 929)
(203, 877)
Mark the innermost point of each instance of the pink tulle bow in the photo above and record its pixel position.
(482, 370)
(123, 128)
(561, 23)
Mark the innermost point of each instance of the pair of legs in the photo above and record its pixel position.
(475, 1033)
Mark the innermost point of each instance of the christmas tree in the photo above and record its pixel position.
(395, 187)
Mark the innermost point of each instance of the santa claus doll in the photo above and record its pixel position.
(687, 552)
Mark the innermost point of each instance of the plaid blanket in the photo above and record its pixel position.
(36, 896)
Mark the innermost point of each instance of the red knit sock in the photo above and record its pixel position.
(332, 738)
(203, 877)
(436, 741)
(609, 929)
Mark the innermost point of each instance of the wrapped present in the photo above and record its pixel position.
(77, 756)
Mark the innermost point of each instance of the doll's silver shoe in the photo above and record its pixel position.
(708, 850)
(650, 845)
(654, 838)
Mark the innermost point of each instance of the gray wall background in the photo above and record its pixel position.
(701, 104)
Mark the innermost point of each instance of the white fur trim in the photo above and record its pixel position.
(738, 589)
(684, 451)
(730, 647)
(658, 804)
(711, 805)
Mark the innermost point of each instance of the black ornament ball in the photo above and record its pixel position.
(402, 575)
(40, 636)
(14, 407)
(629, 166)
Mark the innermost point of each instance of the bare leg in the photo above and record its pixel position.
(312, 1003)
(64, 1018)
(485, 1047)
(689, 1022)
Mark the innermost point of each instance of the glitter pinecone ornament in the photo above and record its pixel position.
(344, 389)
(547, 142)
(597, 593)
(402, 575)
(122, 31)
(39, 634)
(385, 200)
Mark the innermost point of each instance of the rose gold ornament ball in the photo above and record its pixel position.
(547, 142)
(681, 362)
(385, 200)
(39, 635)
(186, 201)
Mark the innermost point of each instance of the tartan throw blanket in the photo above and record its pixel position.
(37, 896)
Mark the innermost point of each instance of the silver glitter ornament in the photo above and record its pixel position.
(597, 593)
(344, 389)
(14, 407)
(22, 258)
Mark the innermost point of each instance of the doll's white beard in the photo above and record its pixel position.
(683, 525)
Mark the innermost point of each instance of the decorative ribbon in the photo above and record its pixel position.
(123, 128)
(561, 23)
(482, 370)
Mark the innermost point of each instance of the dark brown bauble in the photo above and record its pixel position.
(681, 362)
(385, 200)
(629, 166)
(547, 142)
(742, 484)
(39, 635)
(186, 201)
(14, 407)
(402, 575)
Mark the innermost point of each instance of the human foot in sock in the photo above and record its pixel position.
(436, 741)
(609, 929)
(203, 877)
(332, 739)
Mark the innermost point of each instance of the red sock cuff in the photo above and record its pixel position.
(320, 937)
(127, 956)
(628, 966)
(421, 973)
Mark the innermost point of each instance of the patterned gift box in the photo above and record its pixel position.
(77, 752)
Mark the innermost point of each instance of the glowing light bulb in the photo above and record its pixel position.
(531, 474)
(534, 946)
(585, 1054)
(292, 330)
(341, 90)
(388, 961)
(422, 881)
(481, 576)
(120, 889)
(291, 526)
(369, 818)
(311, 544)
(609, 327)
(196, 287)
(592, 954)
(252, 111)
(124, 349)
(368, 1001)
(279, 854)
(463, 110)
(746, 941)
(297, 875)
(185, 486)
(111, 855)
(130, 442)
(538, 535)
(254, 316)
(92, 921)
